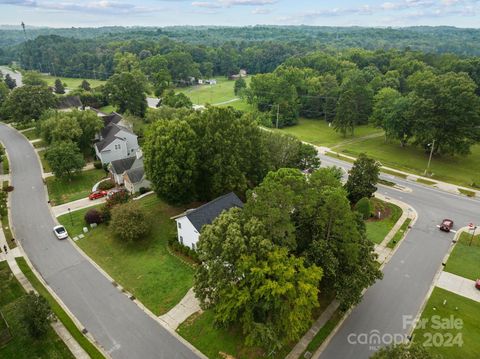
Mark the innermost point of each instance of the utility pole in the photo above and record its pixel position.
(278, 113)
(430, 158)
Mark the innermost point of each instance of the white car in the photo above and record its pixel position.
(60, 232)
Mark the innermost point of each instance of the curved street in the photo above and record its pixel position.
(117, 324)
(409, 273)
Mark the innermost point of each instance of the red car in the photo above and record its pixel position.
(97, 195)
(477, 284)
(447, 225)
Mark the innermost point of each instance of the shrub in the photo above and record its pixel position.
(98, 165)
(106, 185)
(93, 216)
(9, 188)
(119, 197)
(36, 313)
(129, 222)
(364, 207)
(144, 190)
(106, 214)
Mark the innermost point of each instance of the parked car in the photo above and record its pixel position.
(60, 232)
(114, 191)
(447, 225)
(97, 195)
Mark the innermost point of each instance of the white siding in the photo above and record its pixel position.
(186, 232)
(110, 153)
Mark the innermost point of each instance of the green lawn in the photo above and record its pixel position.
(318, 133)
(30, 134)
(22, 346)
(468, 311)
(212, 94)
(400, 233)
(108, 109)
(459, 170)
(59, 312)
(378, 229)
(45, 165)
(464, 259)
(325, 331)
(80, 186)
(72, 83)
(146, 269)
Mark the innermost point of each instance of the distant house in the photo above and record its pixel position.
(116, 141)
(242, 73)
(190, 223)
(211, 82)
(68, 103)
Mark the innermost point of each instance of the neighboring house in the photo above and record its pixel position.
(241, 73)
(190, 223)
(68, 103)
(117, 168)
(134, 179)
(115, 142)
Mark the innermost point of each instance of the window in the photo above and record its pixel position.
(181, 239)
(194, 247)
(179, 225)
(117, 147)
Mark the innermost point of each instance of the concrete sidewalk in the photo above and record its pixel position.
(185, 308)
(76, 205)
(458, 285)
(88, 166)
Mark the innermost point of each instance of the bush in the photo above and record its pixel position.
(106, 185)
(8, 188)
(364, 207)
(144, 190)
(129, 222)
(106, 214)
(36, 312)
(98, 165)
(93, 216)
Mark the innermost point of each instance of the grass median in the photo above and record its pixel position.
(465, 257)
(377, 229)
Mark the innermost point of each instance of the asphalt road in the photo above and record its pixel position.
(407, 276)
(17, 76)
(117, 323)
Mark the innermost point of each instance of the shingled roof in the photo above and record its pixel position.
(66, 102)
(208, 212)
(122, 165)
(135, 175)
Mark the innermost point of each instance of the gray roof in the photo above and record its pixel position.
(120, 166)
(66, 102)
(135, 175)
(109, 134)
(208, 212)
(111, 118)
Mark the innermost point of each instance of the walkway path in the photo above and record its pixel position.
(458, 285)
(76, 205)
(88, 167)
(185, 308)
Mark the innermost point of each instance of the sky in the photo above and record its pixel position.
(95, 13)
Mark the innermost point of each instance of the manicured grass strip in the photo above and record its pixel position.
(442, 305)
(466, 192)
(72, 83)
(107, 109)
(400, 233)
(393, 173)
(67, 190)
(324, 332)
(425, 181)
(339, 157)
(17, 342)
(39, 144)
(377, 230)
(59, 312)
(45, 165)
(158, 279)
(5, 165)
(465, 258)
(31, 134)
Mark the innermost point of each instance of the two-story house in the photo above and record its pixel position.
(116, 142)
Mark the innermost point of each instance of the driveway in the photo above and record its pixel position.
(410, 272)
(117, 323)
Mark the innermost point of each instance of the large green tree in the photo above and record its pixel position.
(33, 78)
(27, 103)
(126, 90)
(59, 88)
(10, 82)
(362, 178)
(65, 159)
(171, 159)
(404, 351)
(248, 281)
(36, 314)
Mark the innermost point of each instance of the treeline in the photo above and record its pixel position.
(413, 96)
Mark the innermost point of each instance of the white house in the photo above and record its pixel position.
(190, 223)
(116, 142)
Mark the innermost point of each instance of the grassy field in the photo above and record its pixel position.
(464, 259)
(72, 83)
(468, 311)
(30, 134)
(459, 170)
(158, 279)
(59, 312)
(63, 190)
(378, 229)
(107, 109)
(212, 94)
(22, 345)
(318, 133)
